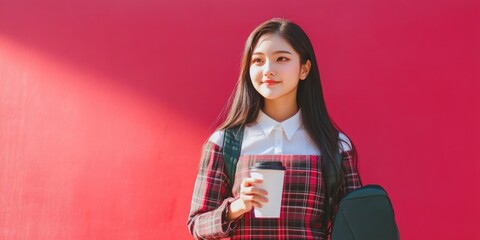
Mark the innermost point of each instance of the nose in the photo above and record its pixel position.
(268, 69)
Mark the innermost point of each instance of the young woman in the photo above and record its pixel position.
(279, 102)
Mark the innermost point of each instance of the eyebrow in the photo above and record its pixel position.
(276, 52)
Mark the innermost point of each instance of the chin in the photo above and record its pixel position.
(269, 96)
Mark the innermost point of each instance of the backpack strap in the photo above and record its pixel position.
(232, 145)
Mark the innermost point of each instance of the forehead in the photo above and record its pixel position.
(271, 43)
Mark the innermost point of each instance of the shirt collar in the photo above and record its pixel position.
(289, 126)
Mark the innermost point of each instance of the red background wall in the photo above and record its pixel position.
(104, 107)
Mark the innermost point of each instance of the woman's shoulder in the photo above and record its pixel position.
(217, 138)
(346, 145)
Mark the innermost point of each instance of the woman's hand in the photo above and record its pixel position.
(250, 197)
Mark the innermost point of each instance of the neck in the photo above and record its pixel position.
(280, 110)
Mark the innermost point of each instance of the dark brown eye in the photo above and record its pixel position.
(256, 60)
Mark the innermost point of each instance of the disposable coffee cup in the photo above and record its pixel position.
(272, 174)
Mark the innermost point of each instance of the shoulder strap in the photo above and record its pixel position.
(232, 145)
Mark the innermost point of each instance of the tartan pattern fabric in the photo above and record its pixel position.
(210, 196)
(302, 199)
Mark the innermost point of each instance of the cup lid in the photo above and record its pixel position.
(268, 166)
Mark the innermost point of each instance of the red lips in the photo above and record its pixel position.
(270, 82)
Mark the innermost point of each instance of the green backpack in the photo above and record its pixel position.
(363, 214)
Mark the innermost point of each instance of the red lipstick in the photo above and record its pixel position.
(270, 82)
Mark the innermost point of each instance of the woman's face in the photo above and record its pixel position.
(275, 68)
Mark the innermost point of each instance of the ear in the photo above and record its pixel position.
(305, 69)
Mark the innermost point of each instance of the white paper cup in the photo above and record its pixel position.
(272, 174)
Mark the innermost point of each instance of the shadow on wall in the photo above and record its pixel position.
(134, 45)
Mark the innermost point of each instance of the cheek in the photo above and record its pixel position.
(253, 73)
(292, 71)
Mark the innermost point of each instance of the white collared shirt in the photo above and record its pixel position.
(267, 136)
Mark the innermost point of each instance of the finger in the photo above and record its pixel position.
(250, 181)
(253, 198)
(256, 205)
(254, 190)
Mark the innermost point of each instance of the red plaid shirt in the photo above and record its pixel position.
(302, 199)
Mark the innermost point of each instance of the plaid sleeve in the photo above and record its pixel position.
(349, 165)
(211, 197)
